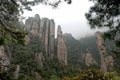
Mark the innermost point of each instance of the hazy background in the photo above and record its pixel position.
(70, 17)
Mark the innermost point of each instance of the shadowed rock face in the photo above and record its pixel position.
(102, 51)
(52, 39)
(28, 24)
(35, 25)
(45, 30)
(4, 60)
(89, 60)
(61, 48)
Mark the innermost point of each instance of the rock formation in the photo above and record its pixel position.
(52, 39)
(37, 76)
(89, 60)
(45, 30)
(4, 60)
(16, 73)
(61, 48)
(39, 57)
(109, 62)
(28, 24)
(102, 51)
(35, 25)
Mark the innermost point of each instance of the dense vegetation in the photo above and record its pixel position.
(78, 48)
(105, 13)
(25, 56)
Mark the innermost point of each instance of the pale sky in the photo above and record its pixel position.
(70, 17)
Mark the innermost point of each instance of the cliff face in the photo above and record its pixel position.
(89, 60)
(45, 30)
(102, 51)
(61, 48)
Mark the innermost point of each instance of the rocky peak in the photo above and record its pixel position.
(61, 48)
(37, 17)
(28, 24)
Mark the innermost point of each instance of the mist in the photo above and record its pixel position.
(70, 17)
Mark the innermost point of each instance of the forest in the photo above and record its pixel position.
(37, 48)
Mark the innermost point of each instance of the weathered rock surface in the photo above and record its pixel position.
(102, 51)
(46, 44)
(28, 24)
(37, 76)
(52, 39)
(109, 62)
(16, 73)
(61, 48)
(35, 25)
(45, 30)
(4, 60)
(89, 60)
(39, 57)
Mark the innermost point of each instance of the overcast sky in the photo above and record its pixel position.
(70, 17)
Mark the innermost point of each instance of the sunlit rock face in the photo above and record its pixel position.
(4, 60)
(102, 51)
(89, 60)
(61, 48)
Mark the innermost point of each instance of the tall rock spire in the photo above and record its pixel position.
(61, 48)
(46, 44)
(102, 51)
(35, 25)
(28, 24)
(52, 39)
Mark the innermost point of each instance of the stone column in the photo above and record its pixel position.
(52, 39)
(61, 48)
(46, 44)
(16, 73)
(102, 51)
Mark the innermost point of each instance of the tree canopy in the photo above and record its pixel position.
(105, 13)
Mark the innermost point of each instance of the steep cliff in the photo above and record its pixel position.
(61, 47)
(45, 30)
